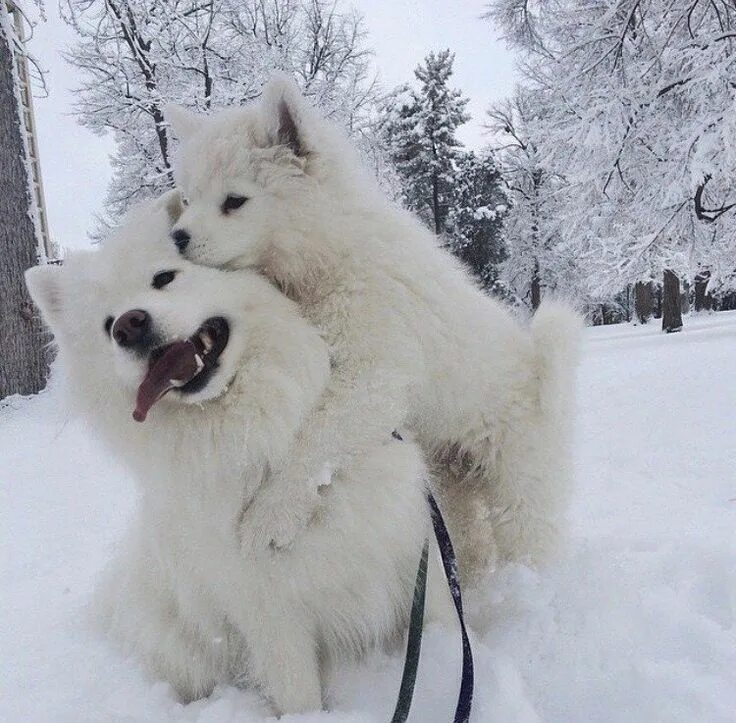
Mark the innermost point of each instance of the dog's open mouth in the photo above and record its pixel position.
(186, 365)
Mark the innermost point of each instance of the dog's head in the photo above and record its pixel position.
(134, 320)
(253, 176)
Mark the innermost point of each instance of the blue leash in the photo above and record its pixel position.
(416, 620)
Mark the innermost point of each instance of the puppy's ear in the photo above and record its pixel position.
(183, 122)
(44, 285)
(172, 204)
(283, 108)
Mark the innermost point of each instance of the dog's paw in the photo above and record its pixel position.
(277, 516)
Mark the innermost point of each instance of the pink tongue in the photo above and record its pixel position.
(178, 365)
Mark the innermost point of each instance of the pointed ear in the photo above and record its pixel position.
(171, 203)
(283, 108)
(182, 121)
(44, 285)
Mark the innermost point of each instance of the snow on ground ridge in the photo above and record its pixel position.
(634, 623)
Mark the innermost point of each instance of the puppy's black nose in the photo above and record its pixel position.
(181, 238)
(131, 328)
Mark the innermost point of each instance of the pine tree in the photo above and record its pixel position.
(420, 130)
(475, 220)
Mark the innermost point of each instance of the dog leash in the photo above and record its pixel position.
(413, 642)
(416, 622)
(449, 563)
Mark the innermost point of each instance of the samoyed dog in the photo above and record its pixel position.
(226, 372)
(414, 343)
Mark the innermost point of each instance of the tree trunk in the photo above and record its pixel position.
(643, 301)
(163, 141)
(703, 300)
(23, 355)
(436, 204)
(536, 288)
(671, 310)
(727, 302)
(685, 297)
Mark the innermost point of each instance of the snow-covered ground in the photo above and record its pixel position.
(636, 622)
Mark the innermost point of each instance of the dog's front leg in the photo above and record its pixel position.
(140, 605)
(284, 663)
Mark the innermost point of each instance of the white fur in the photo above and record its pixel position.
(414, 342)
(186, 594)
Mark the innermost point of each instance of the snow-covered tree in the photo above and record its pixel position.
(533, 234)
(137, 55)
(475, 220)
(638, 105)
(420, 128)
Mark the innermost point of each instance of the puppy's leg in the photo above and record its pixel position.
(367, 397)
(461, 489)
(507, 491)
(529, 493)
(355, 415)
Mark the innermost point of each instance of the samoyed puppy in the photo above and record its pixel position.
(226, 371)
(414, 343)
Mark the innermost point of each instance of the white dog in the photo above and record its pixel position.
(237, 371)
(414, 342)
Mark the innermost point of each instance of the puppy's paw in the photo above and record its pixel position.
(277, 516)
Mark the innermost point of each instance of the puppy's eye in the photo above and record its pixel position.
(232, 202)
(108, 324)
(162, 278)
(184, 201)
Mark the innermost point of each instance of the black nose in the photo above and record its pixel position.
(181, 238)
(131, 328)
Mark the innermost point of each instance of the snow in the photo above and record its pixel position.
(635, 622)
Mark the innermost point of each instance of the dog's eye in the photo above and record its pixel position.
(108, 324)
(162, 278)
(184, 201)
(232, 202)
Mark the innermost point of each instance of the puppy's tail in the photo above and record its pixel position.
(556, 331)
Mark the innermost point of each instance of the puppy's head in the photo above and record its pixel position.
(252, 176)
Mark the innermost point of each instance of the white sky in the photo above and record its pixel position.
(75, 163)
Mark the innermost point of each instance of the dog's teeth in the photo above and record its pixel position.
(200, 363)
(207, 341)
